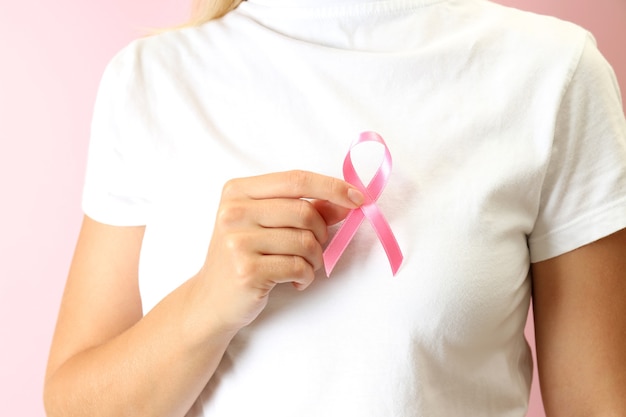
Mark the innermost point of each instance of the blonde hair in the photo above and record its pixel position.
(204, 10)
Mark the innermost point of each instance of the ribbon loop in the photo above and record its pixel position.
(369, 209)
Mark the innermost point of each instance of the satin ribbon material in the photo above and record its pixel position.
(369, 209)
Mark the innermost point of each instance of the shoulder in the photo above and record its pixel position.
(529, 25)
(156, 69)
(152, 54)
(538, 52)
(528, 35)
(174, 53)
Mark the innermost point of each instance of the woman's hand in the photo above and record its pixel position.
(270, 229)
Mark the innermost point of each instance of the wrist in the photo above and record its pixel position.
(201, 322)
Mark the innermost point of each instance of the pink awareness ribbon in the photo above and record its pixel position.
(369, 209)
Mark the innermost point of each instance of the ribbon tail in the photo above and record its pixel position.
(385, 235)
(342, 238)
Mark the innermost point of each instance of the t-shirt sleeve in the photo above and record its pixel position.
(117, 181)
(583, 197)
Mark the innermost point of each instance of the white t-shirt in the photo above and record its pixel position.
(509, 147)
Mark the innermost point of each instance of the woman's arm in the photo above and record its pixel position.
(579, 302)
(108, 360)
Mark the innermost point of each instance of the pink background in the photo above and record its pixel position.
(52, 54)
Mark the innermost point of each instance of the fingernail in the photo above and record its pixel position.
(356, 196)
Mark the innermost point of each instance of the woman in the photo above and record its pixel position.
(509, 175)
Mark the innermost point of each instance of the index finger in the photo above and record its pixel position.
(298, 184)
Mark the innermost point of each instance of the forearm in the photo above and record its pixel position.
(158, 367)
